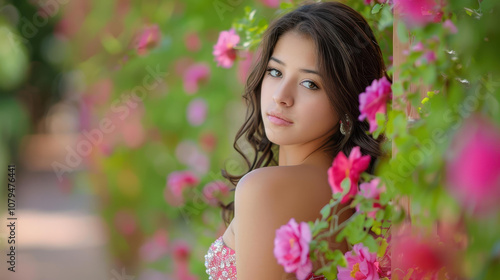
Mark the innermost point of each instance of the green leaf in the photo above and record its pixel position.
(325, 211)
(353, 231)
(469, 11)
(370, 242)
(376, 226)
(286, 5)
(111, 44)
(386, 19)
(429, 74)
(345, 185)
(369, 222)
(318, 227)
(329, 271)
(376, 8)
(397, 88)
(383, 246)
(339, 258)
(402, 32)
(380, 118)
(323, 246)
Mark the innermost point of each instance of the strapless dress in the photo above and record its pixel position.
(220, 262)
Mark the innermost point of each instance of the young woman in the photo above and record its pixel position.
(302, 96)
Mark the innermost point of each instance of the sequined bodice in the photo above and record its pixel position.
(220, 262)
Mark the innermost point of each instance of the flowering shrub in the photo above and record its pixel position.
(450, 178)
(157, 88)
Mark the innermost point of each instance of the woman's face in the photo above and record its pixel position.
(293, 90)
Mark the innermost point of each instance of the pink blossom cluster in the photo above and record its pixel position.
(148, 38)
(417, 13)
(291, 248)
(351, 168)
(361, 265)
(177, 182)
(473, 166)
(374, 100)
(224, 51)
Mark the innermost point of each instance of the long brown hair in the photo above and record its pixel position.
(347, 52)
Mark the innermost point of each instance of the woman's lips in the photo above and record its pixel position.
(278, 121)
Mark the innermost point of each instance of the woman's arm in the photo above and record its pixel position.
(258, 214)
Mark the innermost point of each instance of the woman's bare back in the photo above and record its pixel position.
(309, 183)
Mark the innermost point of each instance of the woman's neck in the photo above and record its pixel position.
(288, 157)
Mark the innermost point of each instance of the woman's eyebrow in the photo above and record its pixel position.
(301, 70)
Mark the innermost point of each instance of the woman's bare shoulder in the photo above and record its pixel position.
(287, 176)
(303, 189)
(270, 172)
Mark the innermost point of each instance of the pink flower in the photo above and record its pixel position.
(473, 169)
(410, 251)
(148, 38)
(418, 47)
(182, 64)
(192, 41)
(156, 247)
(343, 167)
(448, 24)
(194, 75)
(271, 3)
(418, 12)
(200, 163)
(181, 253)
(374, 100)
(133, 133)
(291, 248)
(211, 190)
(361, 264)
(179, 180)
(185, 150)
(430, 56)
(197, 111)
(125, 222)
(224, 51)
(371, 191)
(188, 153)
(208, 141)
(131, 128)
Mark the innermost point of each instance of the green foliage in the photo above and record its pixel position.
(458, 72)
(250, 28)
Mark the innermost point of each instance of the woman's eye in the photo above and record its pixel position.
(310, 85)
(274, 72)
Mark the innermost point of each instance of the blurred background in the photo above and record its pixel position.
(101, 102)
(115, 121)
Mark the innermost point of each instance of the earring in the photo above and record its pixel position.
(347, 126)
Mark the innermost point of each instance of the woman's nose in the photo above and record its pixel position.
(284, 94)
